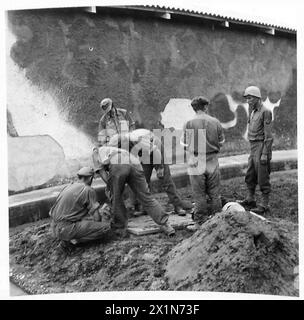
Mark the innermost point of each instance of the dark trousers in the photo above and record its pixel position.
(206, 183)
(257, 173)
(83, 231)
(119, 175)
(167, 183)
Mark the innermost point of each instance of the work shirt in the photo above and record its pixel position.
(259, 127)
(194, 137)
(114, 121)
(108, 155)
(140, 142)
(74, 202)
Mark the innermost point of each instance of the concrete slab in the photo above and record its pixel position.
(32, 161)
(144, 225)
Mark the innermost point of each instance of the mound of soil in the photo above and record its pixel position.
(237, 252)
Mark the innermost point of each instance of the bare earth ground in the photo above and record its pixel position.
(145, 262)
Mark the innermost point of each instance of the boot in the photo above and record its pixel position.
(167, 229)
(263, 208)
(265, 200)
(66, 247)
(260, 210)
(186, 205)
(249, 202)
(121, 233)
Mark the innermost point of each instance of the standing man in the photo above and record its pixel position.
(144, 143)
(203, 139)
(72, 209)
(260, 139)
(118, 167)
(114, 121)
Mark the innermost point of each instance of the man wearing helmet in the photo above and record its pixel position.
(114, 120)
(260, 139)
(72, 208)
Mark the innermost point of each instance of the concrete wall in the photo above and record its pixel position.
(79, 58)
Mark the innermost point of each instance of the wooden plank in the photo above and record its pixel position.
(145, 225)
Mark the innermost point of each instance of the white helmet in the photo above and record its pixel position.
(233, 206)
(252, 91)
(106, 104)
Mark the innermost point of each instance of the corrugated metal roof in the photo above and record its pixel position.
(208, 15)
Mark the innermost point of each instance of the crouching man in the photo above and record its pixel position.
(76, 214)
(118, 167)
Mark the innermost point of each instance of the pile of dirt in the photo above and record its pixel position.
(237, 252)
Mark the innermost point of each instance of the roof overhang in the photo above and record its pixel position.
(168, 13)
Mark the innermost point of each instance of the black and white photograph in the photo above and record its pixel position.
(152, 148)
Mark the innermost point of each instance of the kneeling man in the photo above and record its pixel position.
(76, 213)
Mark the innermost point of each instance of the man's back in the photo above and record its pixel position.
(214, 135)
(73, 202)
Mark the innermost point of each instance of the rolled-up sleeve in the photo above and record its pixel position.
(102, 136)
(221, 136)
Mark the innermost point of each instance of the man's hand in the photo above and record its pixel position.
(263, 159)
(193, 161)
(108, 193)
(105, 214)
(96, 216)
(160, 173)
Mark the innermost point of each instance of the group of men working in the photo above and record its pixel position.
(127, 156)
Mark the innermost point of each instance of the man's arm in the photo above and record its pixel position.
(102, 136)
(185, 137)
(131, 121)
(104, 175)
(99, 165)
(221, 136)
(92, 203)
(268, 137)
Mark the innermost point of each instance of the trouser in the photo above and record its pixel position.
(167, 183)
(119, 175)
(206, 183)
(82, 231)
(257, 173)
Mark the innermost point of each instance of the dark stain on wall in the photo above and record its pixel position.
(82, 58)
